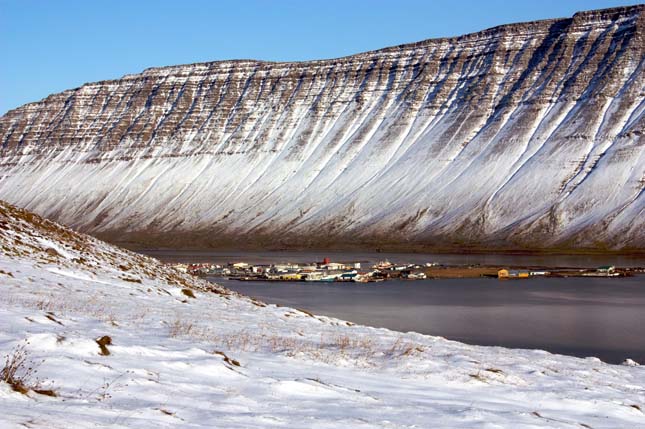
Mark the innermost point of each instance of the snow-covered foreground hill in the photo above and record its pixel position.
(219, 359)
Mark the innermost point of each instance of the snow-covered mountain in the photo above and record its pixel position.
(523, 135)
(123, 341)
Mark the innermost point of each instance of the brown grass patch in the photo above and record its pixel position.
(459, 272)
(306, 312)
(227, 359)
(103, 342)
(188, 292)
(46, 392)
(51, 316)
(180, 328)
(478, 377)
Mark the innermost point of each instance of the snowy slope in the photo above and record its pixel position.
(524, 135)
(223, 360)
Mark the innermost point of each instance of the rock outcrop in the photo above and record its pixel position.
(526, 135)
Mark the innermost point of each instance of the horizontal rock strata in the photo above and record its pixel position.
(521, 136)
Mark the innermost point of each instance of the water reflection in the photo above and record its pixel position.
(581, 261)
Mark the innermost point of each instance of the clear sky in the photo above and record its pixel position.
(47, 46)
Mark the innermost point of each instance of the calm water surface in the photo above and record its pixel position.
(577, 316)
(602, 317)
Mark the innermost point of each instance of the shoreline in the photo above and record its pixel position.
(365, 271)
(387, 248)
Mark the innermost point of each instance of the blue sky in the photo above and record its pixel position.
(48, 46)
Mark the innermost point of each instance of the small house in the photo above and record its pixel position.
(240, 265)
(335, 266)
(512, 274)
(291, 276)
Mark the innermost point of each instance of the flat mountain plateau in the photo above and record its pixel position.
(525, 136)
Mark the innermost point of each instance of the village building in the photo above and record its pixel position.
(334, 266)
(512, 274)
(240, 265)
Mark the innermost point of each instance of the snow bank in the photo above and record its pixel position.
(224, 360)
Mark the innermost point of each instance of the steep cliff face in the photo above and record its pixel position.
(524, 135)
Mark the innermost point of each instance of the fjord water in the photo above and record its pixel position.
(601, 317)
(577, 316)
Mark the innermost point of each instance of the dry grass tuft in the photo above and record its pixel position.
(404, 348)
(181, 328)
(19, 372)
